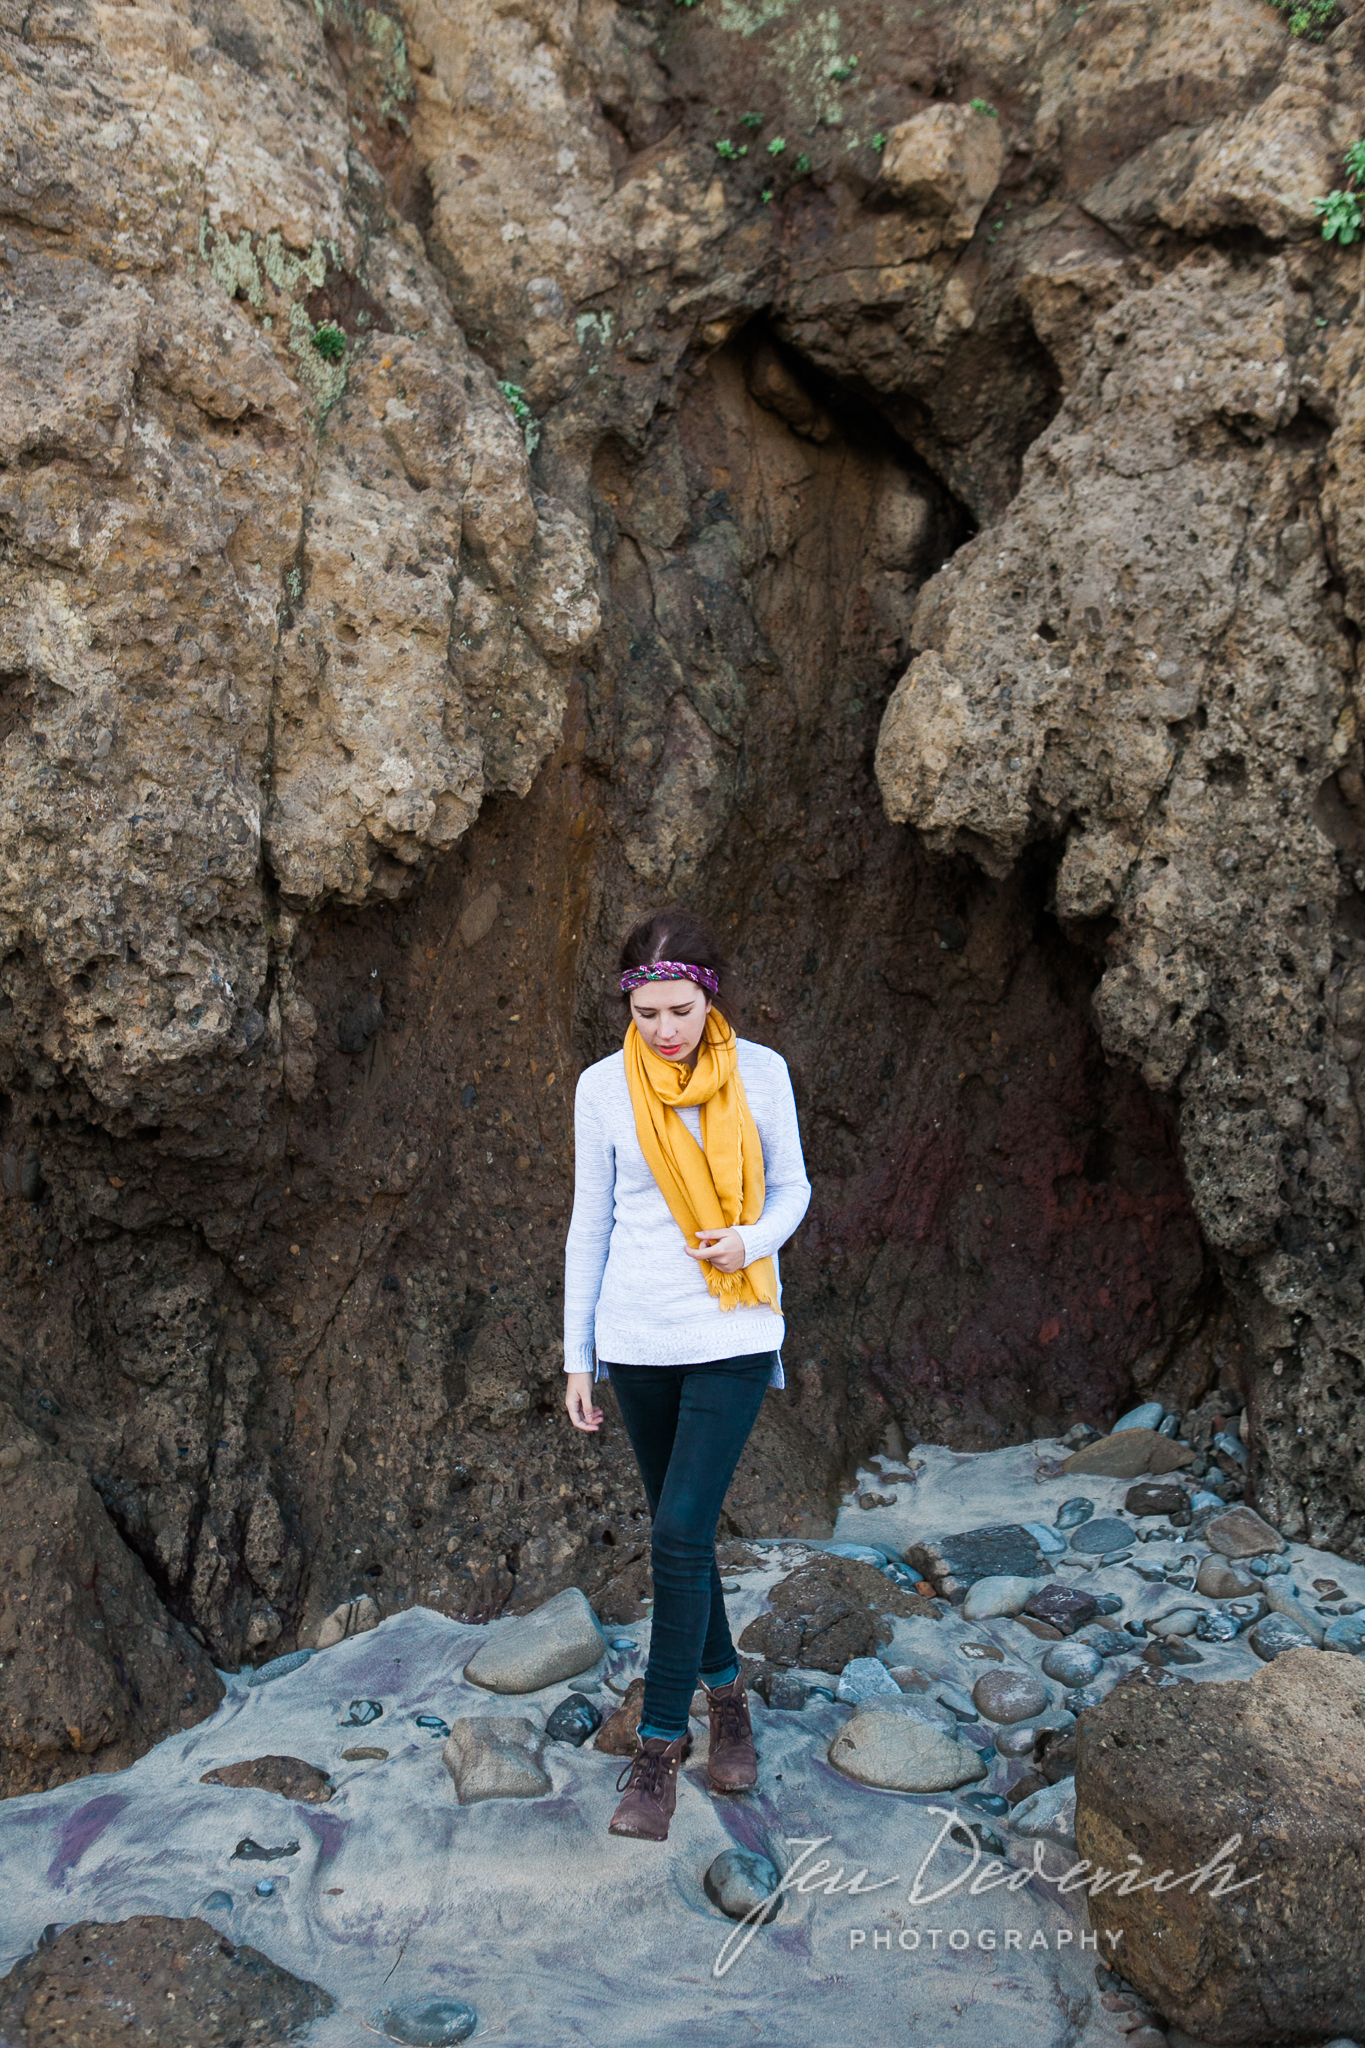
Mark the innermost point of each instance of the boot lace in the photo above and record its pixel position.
(647, 1769)
(732, 1717)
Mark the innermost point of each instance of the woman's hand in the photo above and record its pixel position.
(723, 1249)
(578, 1401)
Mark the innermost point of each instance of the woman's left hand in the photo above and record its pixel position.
(723, 1249)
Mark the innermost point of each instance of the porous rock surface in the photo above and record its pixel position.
(350, 705)
(1172, 1776)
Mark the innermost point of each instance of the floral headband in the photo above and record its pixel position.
(670, 970)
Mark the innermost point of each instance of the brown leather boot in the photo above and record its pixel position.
(732, 1764)
(651, 1782)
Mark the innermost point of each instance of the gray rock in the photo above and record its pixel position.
(1347, 1632)
(1147, 1416)
(559, 1640)
(954, 1563)
(901, 1754)
(439, 2023)
(495, 1756)
(1176, 1621)
(1050, 1541)
(1019, 1738)
(360, 1713)
(786, 1693)
(1093, 1539)
(739, 1880)
(278, 1667)
(863, 1678)
(1084, 1696)
(1049, 1815)
(1009, 1696)
(1110, 1642)
(1280, 1599)
(1276, 1634)
(1073, 1512)
(861, 1553)
(1072, 1663)
(990, 1597)
(1216, 1627)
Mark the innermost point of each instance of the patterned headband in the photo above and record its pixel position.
(670, 970)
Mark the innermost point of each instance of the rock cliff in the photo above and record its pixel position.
(887, 474)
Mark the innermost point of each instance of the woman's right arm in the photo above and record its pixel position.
(585, 1251)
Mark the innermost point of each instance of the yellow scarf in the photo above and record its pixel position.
(715, 1185)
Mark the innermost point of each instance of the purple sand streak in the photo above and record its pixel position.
(84, 1826)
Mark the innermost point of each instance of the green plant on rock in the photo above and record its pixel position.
(751, 121)
(726, 150)
(777, 145)
(803, 166)
(1340, 212)
(329, 341)
(985, 107)
(522, 414)
(1310, 19)
(878, 142)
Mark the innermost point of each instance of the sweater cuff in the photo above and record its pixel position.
(578, 1358)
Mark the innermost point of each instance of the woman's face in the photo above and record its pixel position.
(670, 1016)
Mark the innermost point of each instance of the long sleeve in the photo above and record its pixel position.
(590, 1227)
(787, 1190)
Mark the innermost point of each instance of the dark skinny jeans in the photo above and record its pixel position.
(687, 1425)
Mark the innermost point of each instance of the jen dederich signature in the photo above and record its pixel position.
(978, 1877)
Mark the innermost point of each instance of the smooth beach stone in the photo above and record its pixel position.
(992, 1803)
(623, 1643)
(217, 1902)
(248, 1851)
(1231, 1446)
(360, 1714)
(1009, 1696)
(495, 1756)
(1280, 1598)
(1018, 1739)
(1073, 1512)
(861, 1553)
(1128, 1454)
(364, 1756)
(1177, 1621)
(1072, 1663)
(1049, 1815)
(1063, 1607)
(1147, 1416)
(1001, 1595)
(1109, 1642)
(900, 1754)
(278, 1667)
(739, 1880)
(1347, 1632)
(1050, 1541)
(1274, 1635)
(438, 2024)
(558, 1640)
(1217, 1628)
(1093, 1539)
(352, 1618)
(981, 1652)
(1216, 1579)
(786, 1693)
(862, 1678)
(1242, 1533)
(1107, 1603)
(958, 1702)
(573, 1721)
(432, 1724)
(266, 1888)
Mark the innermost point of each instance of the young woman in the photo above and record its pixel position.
(688, 1179)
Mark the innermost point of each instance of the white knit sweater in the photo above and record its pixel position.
(629, 1287)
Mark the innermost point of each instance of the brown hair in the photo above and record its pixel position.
(677, 934)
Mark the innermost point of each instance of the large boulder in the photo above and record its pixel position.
(176, 1982)
(95, 1669)
(1170, 1776)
